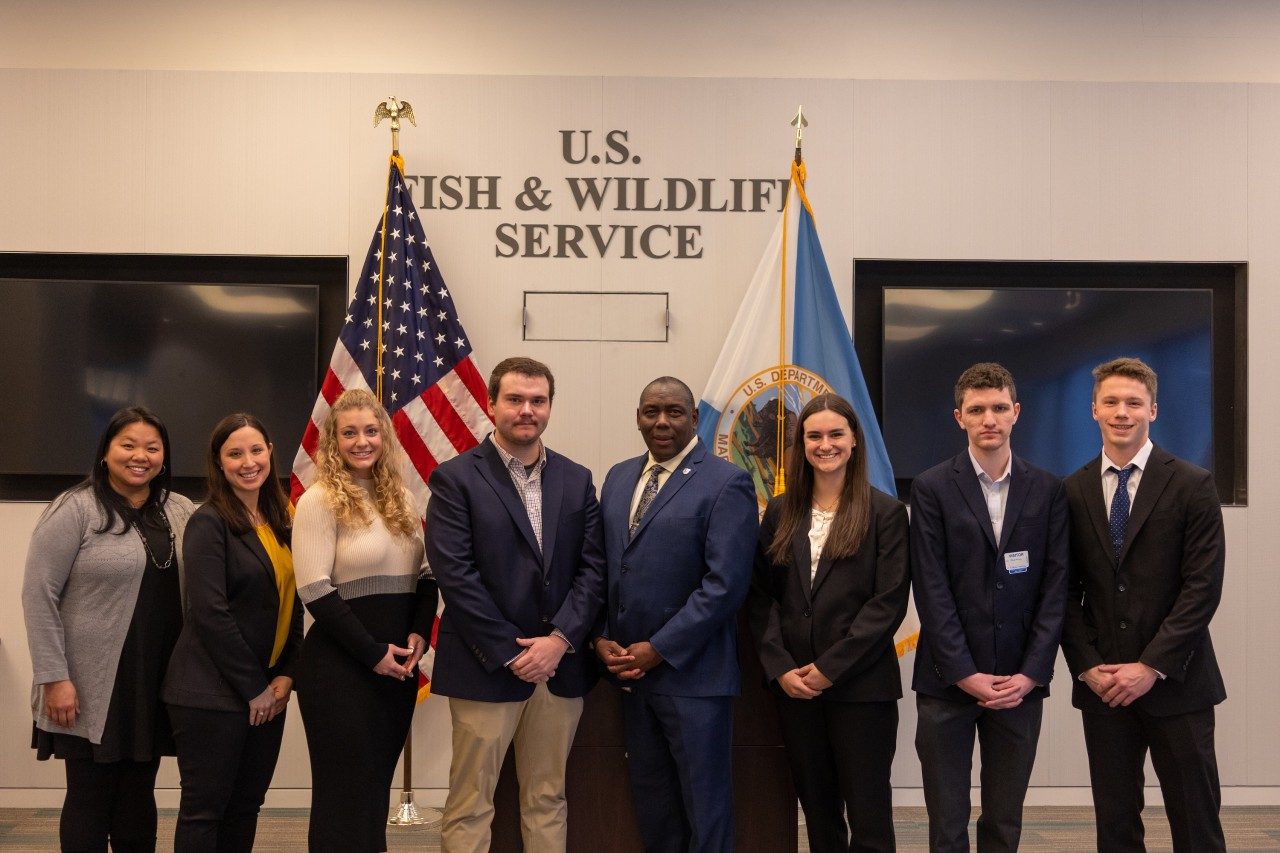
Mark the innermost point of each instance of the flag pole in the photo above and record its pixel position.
(406, 814)
(780, 480)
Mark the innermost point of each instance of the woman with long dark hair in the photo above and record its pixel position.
(358, 553)
(830, 588)
(103, 606)
(232, 671)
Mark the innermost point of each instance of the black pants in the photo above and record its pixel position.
(226, 766)
(1183, 756)
(841, 754)
(944, 742)
(356, 723)
(115, 801)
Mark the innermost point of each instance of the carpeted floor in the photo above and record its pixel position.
(1045, 830)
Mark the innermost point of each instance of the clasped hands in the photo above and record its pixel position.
(541, 655)
(390, 664)
(804, 682)
(1120, 684)
(627, 663)
(997, 692)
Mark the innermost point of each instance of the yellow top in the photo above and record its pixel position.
(282, 562)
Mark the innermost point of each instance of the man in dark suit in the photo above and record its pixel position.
(513, 538)
(1147, 554)
(680, 533)
(989, 570)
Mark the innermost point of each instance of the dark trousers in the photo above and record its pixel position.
(678, 758)
(840, 755)
(1007, 742)
(226, 766)
(115, 801)
(356, 723)
(1183, 756)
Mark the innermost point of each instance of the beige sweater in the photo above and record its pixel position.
(356, 562)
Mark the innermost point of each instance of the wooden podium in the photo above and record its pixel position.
(601, 816)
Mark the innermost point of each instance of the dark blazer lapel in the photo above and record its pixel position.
(1092, 485)
(1155, 477)
(618, 512)
(1016, 499)
(552, 498)
(490, 467)
(971, 490)
(675, 482)
(802, 559)
(255, 545)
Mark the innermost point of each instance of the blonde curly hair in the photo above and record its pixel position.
(348, 501)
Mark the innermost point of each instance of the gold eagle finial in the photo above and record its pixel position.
(394, 110)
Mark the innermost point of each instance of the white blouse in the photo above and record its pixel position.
(819, 527)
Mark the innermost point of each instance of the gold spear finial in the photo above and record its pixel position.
(394, 110)
(799, 123)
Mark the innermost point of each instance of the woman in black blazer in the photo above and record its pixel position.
(230, 674)
(830, 588)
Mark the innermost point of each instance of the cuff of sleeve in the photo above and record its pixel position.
(556, 632)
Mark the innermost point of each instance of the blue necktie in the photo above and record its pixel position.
(1119, 509)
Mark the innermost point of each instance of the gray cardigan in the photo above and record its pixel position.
(78, 597)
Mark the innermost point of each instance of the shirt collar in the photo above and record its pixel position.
(982, 475)
(507, 458)
(674, 462)
(1139, 461)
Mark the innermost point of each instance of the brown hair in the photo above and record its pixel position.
(853, 515)
(985, 374)
(524, 366)
(272, 503)
(349, 503)
(1131, 368)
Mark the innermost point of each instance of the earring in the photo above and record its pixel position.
(162, 468)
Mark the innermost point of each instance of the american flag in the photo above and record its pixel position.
(430, 386)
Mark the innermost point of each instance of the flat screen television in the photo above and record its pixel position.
(192, 339)
(1050, 324)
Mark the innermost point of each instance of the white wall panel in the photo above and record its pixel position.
(1150, 172)
(951, 170)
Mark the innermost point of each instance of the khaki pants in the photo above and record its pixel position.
(542, 727)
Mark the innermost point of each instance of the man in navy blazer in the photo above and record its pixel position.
(680, 532)
(989, 547)
(514, 541)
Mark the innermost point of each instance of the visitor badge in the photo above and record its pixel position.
(1017, 562)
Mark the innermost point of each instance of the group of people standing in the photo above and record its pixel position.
(159, 629)
(547, 588)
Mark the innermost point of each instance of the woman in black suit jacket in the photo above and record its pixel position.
(830, 588)
(230, 674)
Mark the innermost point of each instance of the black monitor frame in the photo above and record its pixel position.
(329, 273)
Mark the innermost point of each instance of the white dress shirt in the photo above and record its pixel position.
(1110, 478)
(995, 491)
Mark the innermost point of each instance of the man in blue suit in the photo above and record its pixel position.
(989, 542)
(514, 540)
(680, 532)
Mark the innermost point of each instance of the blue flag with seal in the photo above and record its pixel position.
(789, 339)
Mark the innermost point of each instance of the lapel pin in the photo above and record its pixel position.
(686, 470)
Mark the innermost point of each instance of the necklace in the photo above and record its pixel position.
(173, 546)
(831, 507)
